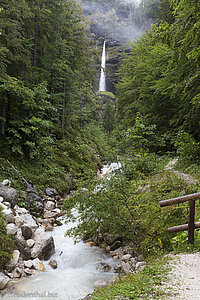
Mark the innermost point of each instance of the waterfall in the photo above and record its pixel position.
(102, 82)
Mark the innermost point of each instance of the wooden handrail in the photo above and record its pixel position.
(191, 226)
(178, 200)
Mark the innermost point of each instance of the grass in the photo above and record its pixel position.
(147, 284)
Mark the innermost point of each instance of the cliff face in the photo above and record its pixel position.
(116, 22)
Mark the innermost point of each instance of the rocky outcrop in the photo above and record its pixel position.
(32, 241)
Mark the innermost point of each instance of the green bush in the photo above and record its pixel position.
(187, 148)
(6, 242)
(132, 210)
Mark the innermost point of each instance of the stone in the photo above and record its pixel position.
(53, 263)
(100, 283)
(1, 199)
(126, 257)
(3, 281)
(28, 263)
(6, 182)
(50, 205)
(30, 272)
(17, 273)
(44, 245)
(107, 250)
(127, 267)
(11, 228)
(26, 232)
(10, 265)
(48, 227)
(29, 221)
(7, 204)
(48, 214)
(9, 194)
(18, 221)
(8, 215)
(36, 202)
(91, 244)
(16, 255)
(56, 210)
(103, 267)
(133, 262)
(140, 266)
(116, 245)
(51, 192)
(22, 247)
(20, 210)
(30, 243)
(38, 265)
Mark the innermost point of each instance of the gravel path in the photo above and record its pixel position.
(184, 278)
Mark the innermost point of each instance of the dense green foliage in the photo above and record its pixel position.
(6, 242)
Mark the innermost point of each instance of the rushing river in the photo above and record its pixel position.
(77, 269)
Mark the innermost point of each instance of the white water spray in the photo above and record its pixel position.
(102, 82)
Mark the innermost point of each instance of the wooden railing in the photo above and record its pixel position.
(191, 226)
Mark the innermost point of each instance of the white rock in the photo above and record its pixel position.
(140, 266)
(6, 182)
(56, 210)
(20, 210)
(1, 199)
(18, 221)
(3, 281)
(8, 204)
(50, 205)
(100, 283)
(30, 243)
(38, 265)
(44, 244)
(126, 257)
(16, 255)
(11, 228)
(9, 215)
(28, 263)
(16, 273)
(29, 221)
(133, 261)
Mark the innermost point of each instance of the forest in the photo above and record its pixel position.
(57, 131)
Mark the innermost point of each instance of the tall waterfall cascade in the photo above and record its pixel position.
(102, 81)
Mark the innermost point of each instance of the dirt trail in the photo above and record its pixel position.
(184, 278)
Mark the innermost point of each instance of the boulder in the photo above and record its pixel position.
(1, 199)
(126, 257)
(10, 265)
(53, 263)
(11, 228)
(18, 221)
(48, 227)
(16, 273)
(30, 272)
(8, 215)
(20, 210)
(28, 263)
(36, 202)
(29, 221)
(22, 247)
(16, 255)
(50, 205)
(51, 192)
(103, 267)
(30, 243)
(3, 281)
(116, 245)
(140, 266)
(6, 182)
(44, 245)
(9, 194)
(38, 265)
(7, 204)
(26, 232)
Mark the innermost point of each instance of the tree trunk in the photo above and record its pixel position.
(3, 116)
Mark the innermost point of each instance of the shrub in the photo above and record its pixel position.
(6, 241)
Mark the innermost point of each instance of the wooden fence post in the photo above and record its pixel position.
(191, 225)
